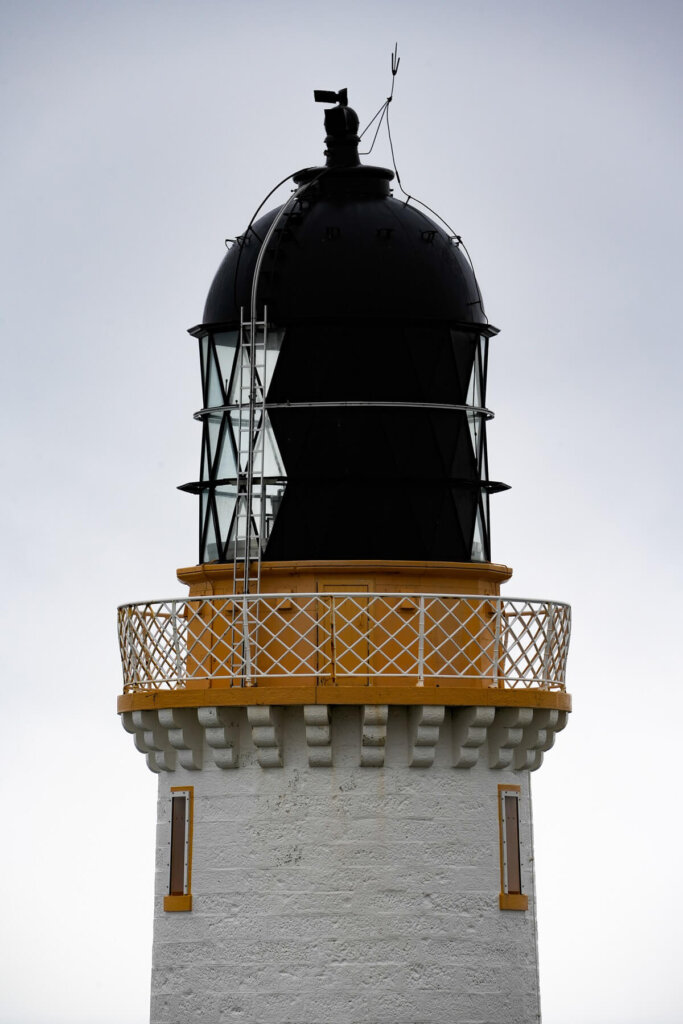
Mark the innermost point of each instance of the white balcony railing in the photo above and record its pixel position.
(344, 638)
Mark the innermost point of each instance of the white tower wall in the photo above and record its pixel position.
(338, 889)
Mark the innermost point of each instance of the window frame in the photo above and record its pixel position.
(510, 900)
(175, 901)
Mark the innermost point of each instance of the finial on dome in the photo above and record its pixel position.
(341, 125)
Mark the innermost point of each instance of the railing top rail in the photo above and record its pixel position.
(351, 594)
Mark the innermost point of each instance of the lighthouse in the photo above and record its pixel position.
(343, 711)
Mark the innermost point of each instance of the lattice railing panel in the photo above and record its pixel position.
(345, 638)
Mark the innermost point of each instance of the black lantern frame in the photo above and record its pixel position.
(344, 441)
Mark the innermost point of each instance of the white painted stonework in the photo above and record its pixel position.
(345, 870)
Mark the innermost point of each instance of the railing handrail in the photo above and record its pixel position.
(355, 594)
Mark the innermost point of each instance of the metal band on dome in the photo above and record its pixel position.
(479, 410)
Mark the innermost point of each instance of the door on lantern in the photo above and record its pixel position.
(344, 641)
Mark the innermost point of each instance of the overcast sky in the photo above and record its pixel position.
(137, 137)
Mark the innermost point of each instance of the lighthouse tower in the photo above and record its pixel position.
(344, 712)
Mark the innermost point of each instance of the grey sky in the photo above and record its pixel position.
(137, 136)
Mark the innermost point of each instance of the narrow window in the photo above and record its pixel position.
(180, 846)
(511, 896)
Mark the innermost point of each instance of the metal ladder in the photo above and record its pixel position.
(250, 442)
(249, 430)
(249, 538)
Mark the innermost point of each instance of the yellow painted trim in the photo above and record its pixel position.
(173, 904)
(312, 693)
(186, 899)
(508, 900)
(450, 695)
(216, 572)
(513, 901)
(233, 696)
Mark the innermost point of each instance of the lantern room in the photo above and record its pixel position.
(344, 351)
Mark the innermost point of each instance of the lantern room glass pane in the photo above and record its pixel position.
(206, 461)
(226, 347)
(203, 505)
(265, 362)
(214, 388)
(227, 464)
(483, 365)
(273, 346)
(474, 391)
(226, 496)
(475, 423)
(484, 463)
(203, 354)
(485, 521)
(213, 427)
(239, 425)
(239, 387)
(463, 346)
(211, 547)
(272, 492)
(479, 553)
(236, 537)
(272, 460)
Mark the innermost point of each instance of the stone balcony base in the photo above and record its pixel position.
(369, 735)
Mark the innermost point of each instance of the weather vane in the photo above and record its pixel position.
(325, 96)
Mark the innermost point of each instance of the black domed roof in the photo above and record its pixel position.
(348, 249)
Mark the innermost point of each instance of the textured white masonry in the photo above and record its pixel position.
(359, 882)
